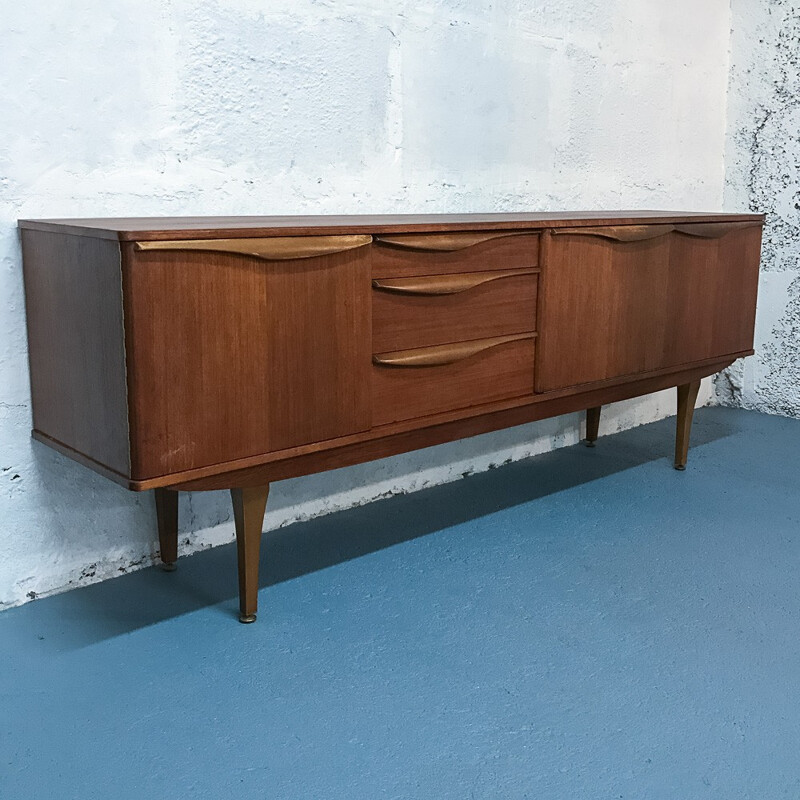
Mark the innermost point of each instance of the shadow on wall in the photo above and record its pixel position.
(208, 579)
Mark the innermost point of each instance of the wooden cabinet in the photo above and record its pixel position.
(626, 300)
(208, 353)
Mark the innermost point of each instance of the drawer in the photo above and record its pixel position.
(407, 384)
(435, 309)
(411, 254)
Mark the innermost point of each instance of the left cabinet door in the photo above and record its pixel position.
(247, 347)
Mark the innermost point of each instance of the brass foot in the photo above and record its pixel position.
(680, 467)
(247, 618)
(588, 443)
(168, 566)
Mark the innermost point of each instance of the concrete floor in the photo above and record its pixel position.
(586, 624)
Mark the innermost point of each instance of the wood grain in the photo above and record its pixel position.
(640, 233)
(73, 299)
(243, 354)
(436, 285)
(273, 248)
(401, 438)
(444, 354)
(217, 362)
(515, 408)
(231, 356)
(615, 309)
(503, 253)
(442, 242)
(687, 397)
(155, 228)
(493, 307)
(495, 373)
(249, 505)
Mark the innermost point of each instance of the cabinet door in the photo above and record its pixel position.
(626, 300)
(236, 353)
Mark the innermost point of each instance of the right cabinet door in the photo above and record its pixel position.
(624, 300)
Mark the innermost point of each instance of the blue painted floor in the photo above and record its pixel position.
(585, 624)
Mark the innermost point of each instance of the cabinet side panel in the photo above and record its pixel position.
(73, 299)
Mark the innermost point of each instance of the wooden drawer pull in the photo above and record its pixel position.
(444, 284)
(279, 248)
(444, 241)
(444, 354)
(619, 233)
(713, 230)
(640, 233)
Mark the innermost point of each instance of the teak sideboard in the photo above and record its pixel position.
(228, 352)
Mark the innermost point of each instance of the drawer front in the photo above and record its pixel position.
(416, 383)
(430, 310)
(411, 254)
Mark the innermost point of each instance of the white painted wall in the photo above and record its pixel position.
(151, 107)
(763, 173)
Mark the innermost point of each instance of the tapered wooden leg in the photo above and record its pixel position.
(167, 515)
(249, 505)
(687, 397)
(592, 425)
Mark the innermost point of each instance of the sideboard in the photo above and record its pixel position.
(182, 354)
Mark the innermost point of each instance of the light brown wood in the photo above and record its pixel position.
(687, 397)
(619, 233)
(441, 241)
(247, 356)
(73, 299)
(278, 248)
(714, 230)
(501, 370)
(504, 303)
(445, 353)
(520, 251)
(640, 233)
(614, 309)
(437, 285)
(167, 517)
(592, 425)
(249, 505)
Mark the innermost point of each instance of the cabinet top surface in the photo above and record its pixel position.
(154, 228)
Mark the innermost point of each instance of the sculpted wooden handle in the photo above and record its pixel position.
(444, 354)
(444, 284)
(640, 233)
(444, 241)
(714, 230)
(619, 233)
(279, 248)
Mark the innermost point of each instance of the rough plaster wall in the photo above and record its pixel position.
(762, 163)
(165, 107)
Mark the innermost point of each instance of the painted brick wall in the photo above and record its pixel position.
(294, 106)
